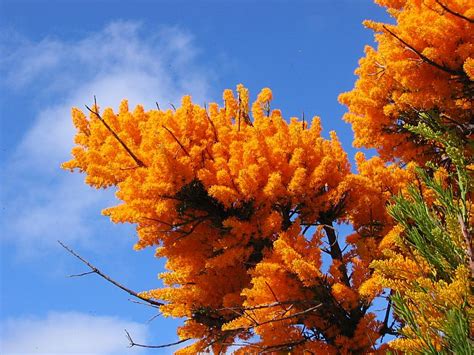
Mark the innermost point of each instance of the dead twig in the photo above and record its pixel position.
(132, 343)
(95, 270)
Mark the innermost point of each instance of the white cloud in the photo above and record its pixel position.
(121, 61)
(69, 332)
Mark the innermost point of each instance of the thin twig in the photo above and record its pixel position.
(134, 157)
(176, 139)
(268, 305)
(132, 343)
(154, 317)
(83, 274)
(143, 304)
(106, 277)
(297, 314)
(216, 139)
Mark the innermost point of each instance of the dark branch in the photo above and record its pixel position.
(176, 139)
(454, 13)
(216, 139)
(132, 343)
(294, 315)
(385, 328)
(83, 274)
(142, 303)
(423, 57)
(134, 157)
(336, 252)
(95, 270)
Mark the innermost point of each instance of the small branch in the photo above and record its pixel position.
(134, 157)
(154, 317)
(277, 301)
(142, 303)
(268, 305)
(423, 57)
(95, 270)
(240, 113)
(83, 274)
(385, 327)
(132, 343)
(294, 315)
(216, 139)
(336, 252)
(190, 231)
(457, 14)
(157, 106)
(176, 139)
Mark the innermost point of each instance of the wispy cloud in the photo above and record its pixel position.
(69, 332)
(121, 61)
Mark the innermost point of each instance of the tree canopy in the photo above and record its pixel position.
(245, 205)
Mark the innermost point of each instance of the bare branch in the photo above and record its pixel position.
(134, 157)
(154, 317)
(132, 343)
(83, 274)
(385, 328)
(95, 270)
(143, 303)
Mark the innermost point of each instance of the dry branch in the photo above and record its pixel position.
(132, 343)
(95, 270)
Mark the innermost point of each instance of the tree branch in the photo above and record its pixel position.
(95, 270)
(297, 314)
(134, 157)
(336, 252)
(176, 139)
(457, 14)
(132, 343)
(423, 57)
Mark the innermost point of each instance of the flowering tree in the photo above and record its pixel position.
(413, 101)
(425, 61)
(244, 204)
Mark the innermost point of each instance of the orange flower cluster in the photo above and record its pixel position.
(242, 209)
(424, 62)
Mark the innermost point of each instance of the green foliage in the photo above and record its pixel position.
(436, 228)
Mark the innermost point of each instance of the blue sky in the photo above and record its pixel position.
(58, 54)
